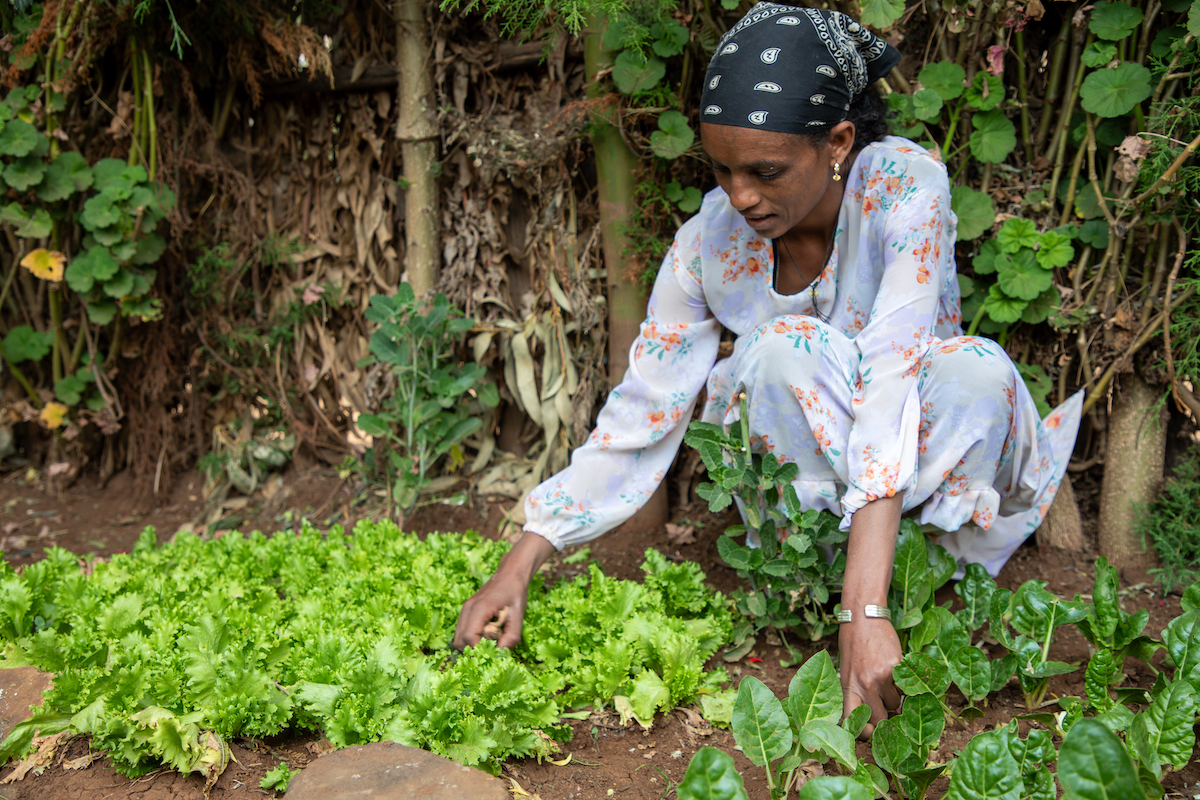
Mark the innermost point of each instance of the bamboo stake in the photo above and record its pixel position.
(417, 130)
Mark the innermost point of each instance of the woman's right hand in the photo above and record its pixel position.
(508, 589)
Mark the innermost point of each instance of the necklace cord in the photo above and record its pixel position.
(813, 283)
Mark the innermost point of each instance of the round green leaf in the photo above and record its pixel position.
(975, 212)
(1095, 233)
(106, 171)
(1114, 20)
(19, 138)
(1113, 92)
(1094, 765)
(101, 312)
(56, 184)
(96, 265)
(1016, 233)
(881, 14)
(73, 164)
(944, 77)
(69, 390)
(990, 256)
(37, 226)
(149, 249)
(634, 73)
(669, 38)
(1164, 40)
(1097, 54)
(833, 787)
(673, 137)
(1054, 250)
(25, 173)
(100, 212)
(986, 92)
(23, 343)
(1002, 308)
(927, 105)
(692, 198)
(966, 286)
(1040, 309)
(994, 136)
(13, 214)
(109, 237)
(711, 775)
(120, 284)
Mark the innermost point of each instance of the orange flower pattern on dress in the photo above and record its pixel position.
(886, 398)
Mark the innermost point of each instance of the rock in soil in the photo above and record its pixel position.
(20, 688)
(390, 771)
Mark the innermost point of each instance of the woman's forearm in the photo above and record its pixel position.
(871, 551)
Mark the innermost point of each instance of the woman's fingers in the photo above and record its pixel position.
(890, 696)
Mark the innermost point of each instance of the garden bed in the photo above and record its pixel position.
(630, 762)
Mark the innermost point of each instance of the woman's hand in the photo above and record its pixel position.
(868, 648)
(504, 596)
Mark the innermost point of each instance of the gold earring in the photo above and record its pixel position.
(837, 171)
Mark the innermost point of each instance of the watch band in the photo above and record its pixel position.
(869, 610)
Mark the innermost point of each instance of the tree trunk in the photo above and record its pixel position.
(1063, 527)
(1133, 472)
(616, 168)
(417, 131)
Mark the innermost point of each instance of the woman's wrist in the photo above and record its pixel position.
(527, 555)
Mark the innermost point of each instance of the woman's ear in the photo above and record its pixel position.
(841, 140)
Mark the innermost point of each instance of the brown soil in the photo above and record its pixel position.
(628, 762)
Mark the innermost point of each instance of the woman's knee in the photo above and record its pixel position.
(978, 364)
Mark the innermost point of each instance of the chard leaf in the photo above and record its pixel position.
(711, 775)
(760, 725)
(1163, 733)
(918, 674)
(833, 787)
(820, 735)
(1093, 765)
(985, 770)
(815, 692)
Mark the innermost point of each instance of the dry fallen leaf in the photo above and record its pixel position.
(321, 748)
(1135, 147)
(39, 759)
(82, 762)
(681, 534)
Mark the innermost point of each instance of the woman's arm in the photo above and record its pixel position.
(868, 647)
(637, 434)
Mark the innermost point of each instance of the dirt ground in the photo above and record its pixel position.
(605, 760)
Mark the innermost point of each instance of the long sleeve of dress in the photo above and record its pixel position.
(642, 424)
(914, 255)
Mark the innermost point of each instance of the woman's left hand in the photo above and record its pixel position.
(868, 648)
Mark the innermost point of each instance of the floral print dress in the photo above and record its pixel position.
(873, 393)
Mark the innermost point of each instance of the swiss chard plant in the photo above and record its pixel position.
(1034, 614)
(798, 562)
(428, 413)
(780, 736)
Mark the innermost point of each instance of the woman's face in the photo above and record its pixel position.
(774, 180)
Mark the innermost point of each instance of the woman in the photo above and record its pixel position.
(828, 249)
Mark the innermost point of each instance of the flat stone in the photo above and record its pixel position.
(390, 771)
(20, 688)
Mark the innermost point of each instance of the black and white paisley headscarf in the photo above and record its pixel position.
(791, 70)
